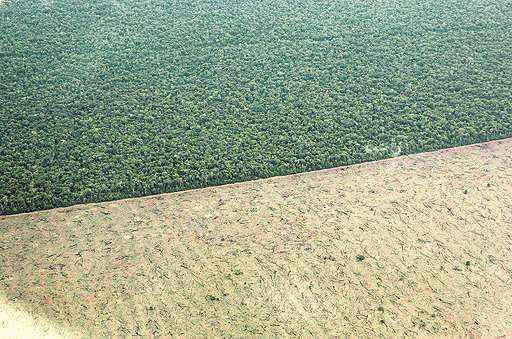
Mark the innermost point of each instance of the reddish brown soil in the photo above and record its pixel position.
(416, 246)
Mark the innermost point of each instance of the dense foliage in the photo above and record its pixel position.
(108, 99)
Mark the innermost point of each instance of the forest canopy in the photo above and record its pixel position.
(109, 99)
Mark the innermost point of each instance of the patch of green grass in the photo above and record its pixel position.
(210, 297)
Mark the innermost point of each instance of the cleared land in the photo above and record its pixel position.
(109, 99)
(417, 245)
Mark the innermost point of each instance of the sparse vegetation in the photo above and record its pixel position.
(168, 265)
(105, 99)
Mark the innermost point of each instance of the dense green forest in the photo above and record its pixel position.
(108, 99)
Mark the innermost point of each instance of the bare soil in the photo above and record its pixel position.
(412, 246)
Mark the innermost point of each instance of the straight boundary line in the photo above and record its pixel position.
(277, 177)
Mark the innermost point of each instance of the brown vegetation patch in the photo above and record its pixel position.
(417, 245)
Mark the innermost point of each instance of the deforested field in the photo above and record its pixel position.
(416, 246)
(109, 99)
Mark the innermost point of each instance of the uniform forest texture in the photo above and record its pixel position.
(102, 100)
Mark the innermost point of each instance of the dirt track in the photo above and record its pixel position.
(418, 246)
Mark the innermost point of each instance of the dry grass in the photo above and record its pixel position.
(415, 246)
